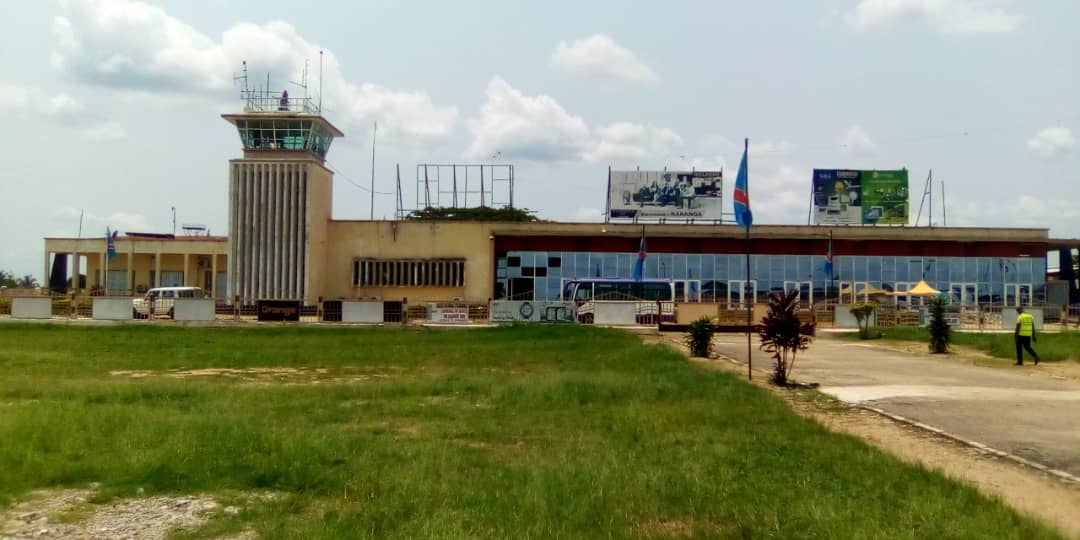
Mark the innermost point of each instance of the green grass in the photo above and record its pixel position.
(523, 432)
(1052, 347)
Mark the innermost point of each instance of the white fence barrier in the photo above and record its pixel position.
(112, 308)
(31, 308)
(193, 309)
(361, 312)
(531, 310)
(844, 318)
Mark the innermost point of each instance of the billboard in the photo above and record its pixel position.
(850, 197)
(665, 194)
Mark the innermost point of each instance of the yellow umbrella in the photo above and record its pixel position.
(871, 290)
(922, 288)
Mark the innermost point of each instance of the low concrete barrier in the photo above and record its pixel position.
(686, 313)
(844, 318)
(615, 313)
(193, 309)
(112, 308)
(31, 308)
(361, 312)
(531, 310)
(1008, 318)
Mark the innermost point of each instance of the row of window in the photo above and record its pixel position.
(775, 267)
(409, 273)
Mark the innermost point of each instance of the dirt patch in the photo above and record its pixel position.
(67, 514)
(1025, 489)
(261, 375)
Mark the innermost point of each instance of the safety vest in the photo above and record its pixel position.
(1027, 324)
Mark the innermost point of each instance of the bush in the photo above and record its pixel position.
(783, 335)
(939, 327)
(699, 337)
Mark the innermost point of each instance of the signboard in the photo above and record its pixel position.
(850, 197)
(665, 194)
(278, 310)
(448, 314)
(531, 310)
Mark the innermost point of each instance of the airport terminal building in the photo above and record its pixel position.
(283, 243)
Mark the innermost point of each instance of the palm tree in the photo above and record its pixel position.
(27, 282)
(6, 279)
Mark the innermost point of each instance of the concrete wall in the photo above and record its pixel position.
(844, 318)
(690, 312)
(112, 308)
(361, 312)
(31, 308)
(193, 309)
(1008, 318)
(410, 240)
(615, 313)
(531, 311)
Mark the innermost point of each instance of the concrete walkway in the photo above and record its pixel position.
(1017, 410)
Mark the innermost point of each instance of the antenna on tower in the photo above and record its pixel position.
(303, 82)
(320, 81)
(245, 90)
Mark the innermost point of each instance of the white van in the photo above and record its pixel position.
(159, 301)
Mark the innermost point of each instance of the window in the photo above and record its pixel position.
(409, 273)
(554, 262)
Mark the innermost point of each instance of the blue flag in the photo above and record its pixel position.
(639, 265)
(743, 216)
(110, 243)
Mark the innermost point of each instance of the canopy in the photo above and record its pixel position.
(922, 288)
(871, 290)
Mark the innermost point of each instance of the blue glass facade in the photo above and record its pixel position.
(710, 277)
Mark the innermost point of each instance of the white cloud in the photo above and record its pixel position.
(950, 17)
(131, 45)
(598, 54)
(1024, 211)
(856, 141)
(626, 141)
(588, 214)
(528, 127)
(1052, 141)
(60, 109)
(538, 128)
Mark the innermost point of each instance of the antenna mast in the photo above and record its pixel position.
(320, 81)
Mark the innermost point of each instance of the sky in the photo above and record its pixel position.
(113, 106)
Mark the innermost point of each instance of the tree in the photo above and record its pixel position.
(862, 313)
(7, 279)
(939, 327)
(782, 334)
(480, 213)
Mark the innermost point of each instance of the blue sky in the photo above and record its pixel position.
(113, 105)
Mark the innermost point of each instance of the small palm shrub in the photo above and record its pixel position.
(862, 314)
(699, 337)
(782, 334)
(939, 327)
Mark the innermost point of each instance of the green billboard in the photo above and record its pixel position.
(884, 197)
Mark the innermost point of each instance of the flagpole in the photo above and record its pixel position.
(749, 311)
(749, 286)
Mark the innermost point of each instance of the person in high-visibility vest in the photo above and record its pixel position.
(1024, 335)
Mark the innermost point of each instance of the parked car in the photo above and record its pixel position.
(160, 301)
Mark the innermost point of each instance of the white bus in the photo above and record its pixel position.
(654, 297)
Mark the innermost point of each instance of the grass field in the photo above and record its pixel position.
(1052, 347)
(527, 432)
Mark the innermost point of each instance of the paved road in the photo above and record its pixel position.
(1017, 410)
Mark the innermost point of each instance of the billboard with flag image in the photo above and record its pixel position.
(665, 194)
(852, 197)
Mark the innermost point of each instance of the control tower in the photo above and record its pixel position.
(279, 198)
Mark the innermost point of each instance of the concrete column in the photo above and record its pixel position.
(45, 280)
(187, 271)
(157, 269)
(213, 276)
(130, 278)
(75, 272)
